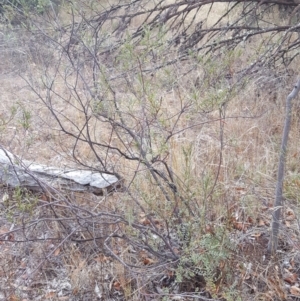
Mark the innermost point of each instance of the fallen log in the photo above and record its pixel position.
(15, 172)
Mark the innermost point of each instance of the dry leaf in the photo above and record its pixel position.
(145, 221)
(23, 264)
(290, 215)
(143, 254)
(290, 278)
(44, 198)
(57, 251)
(117, 285)
(50, 295)
(292, 263)
(176, 251)
(261, 223)
(240, 226)
(294, 290)
(102, 259)
(275, 282)
(250, 220)
(288, 224)
(209, 229)
(148, 261)
(240, 188)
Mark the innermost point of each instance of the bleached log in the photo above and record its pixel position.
(15, 172)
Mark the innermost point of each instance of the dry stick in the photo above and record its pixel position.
(272, 247)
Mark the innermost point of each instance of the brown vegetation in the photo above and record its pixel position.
(190, 117)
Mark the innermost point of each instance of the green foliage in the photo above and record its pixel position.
(24, 201)
(5, 120)
(15, 11)
(205, 254)
(40, 5)
(292, 187)
(21, 200)
(25, 119)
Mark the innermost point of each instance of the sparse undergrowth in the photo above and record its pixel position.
(196, 143)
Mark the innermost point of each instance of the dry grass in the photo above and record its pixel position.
(240, 203)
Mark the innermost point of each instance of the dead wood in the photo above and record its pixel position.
(15, 172)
